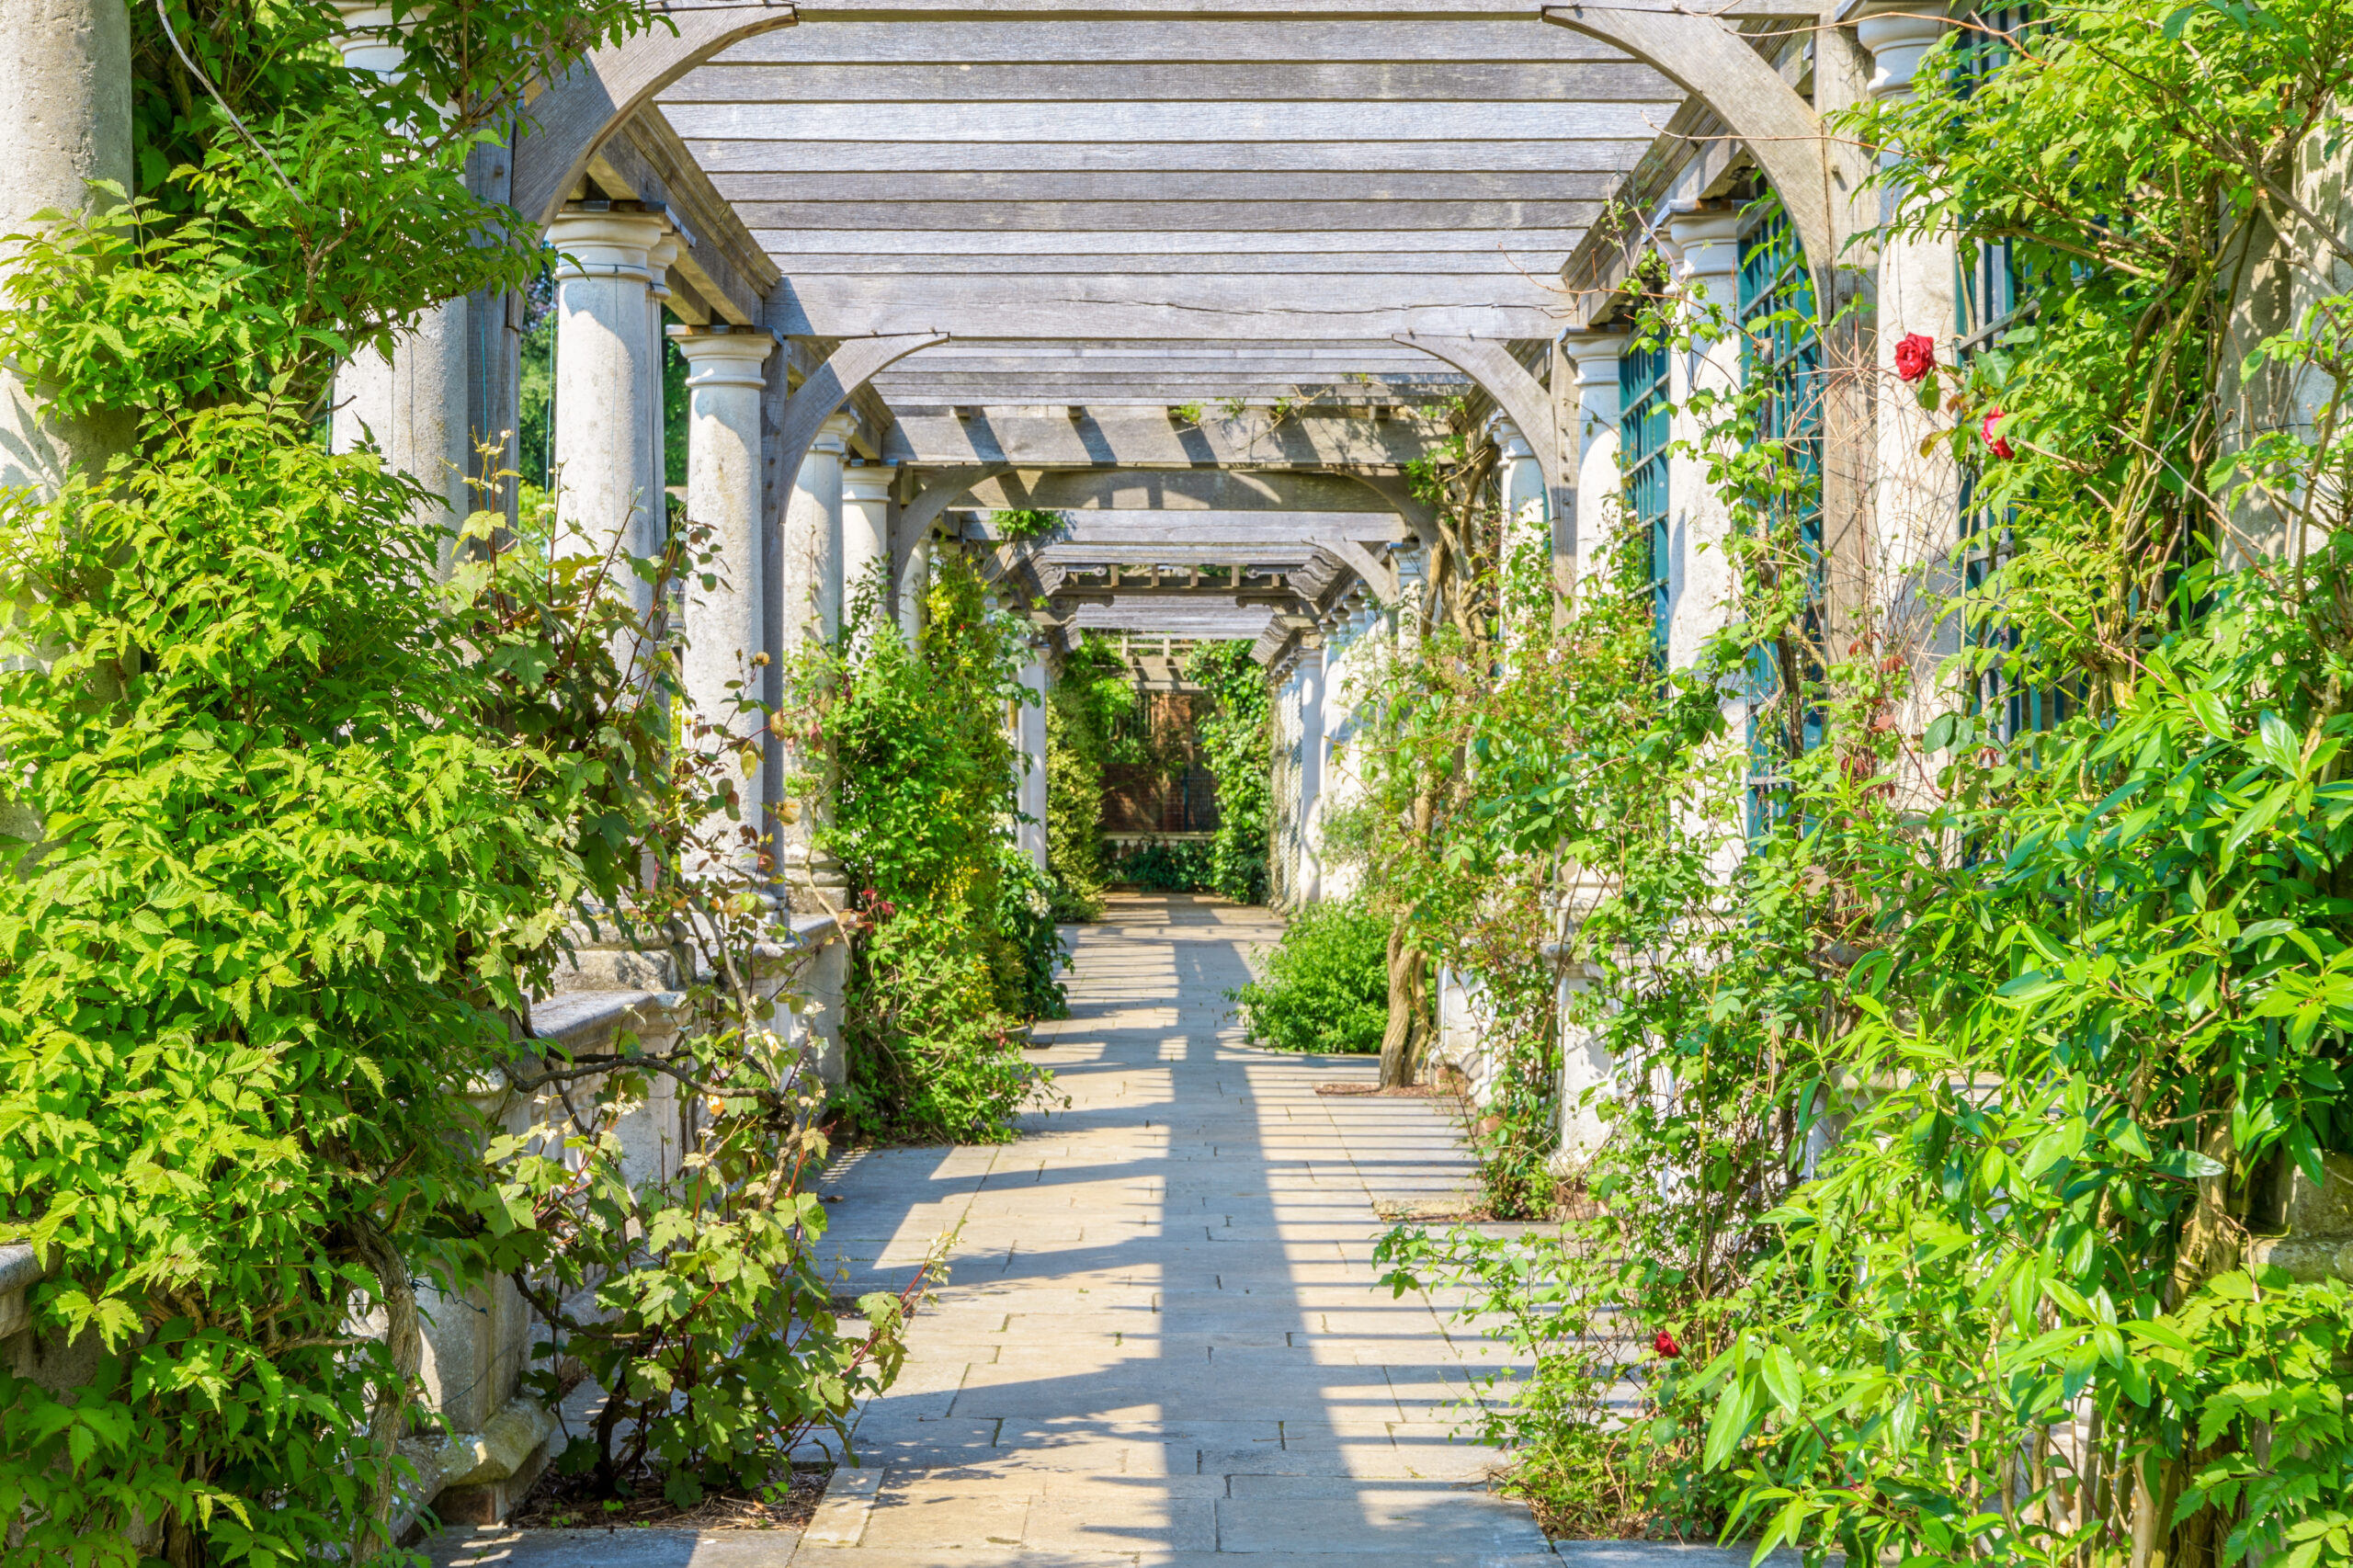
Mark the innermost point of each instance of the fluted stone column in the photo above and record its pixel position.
(606, 493)
(1916, 500)
(1526, 525)
(811, 547)
(411, 405)
(1706, 242)
(812, 537)
(658, 257)
(914, 591)
(1029, 730)
(1592, 443)
(866, 538)
(725, 382)
(1311, 759)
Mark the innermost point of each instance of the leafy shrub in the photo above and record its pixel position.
(952, 954)
(1327, 982)
(1160, 867)
(1092, 693)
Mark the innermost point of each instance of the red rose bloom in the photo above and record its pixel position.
(1999, 447)
(1665, 1344)
(1915, 355)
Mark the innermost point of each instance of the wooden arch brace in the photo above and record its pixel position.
(568, 122)
(941, 492)
(1709, 59)
(849, 368)
(1519, 394)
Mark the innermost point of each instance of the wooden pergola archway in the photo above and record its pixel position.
(1117, 209)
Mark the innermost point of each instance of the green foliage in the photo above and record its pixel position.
(1945, 1110)
(1026, 525)
(1326, 985)
(1238, 742)
(301, 828)
(949, 962)
(1163, 867)
(1093, 700)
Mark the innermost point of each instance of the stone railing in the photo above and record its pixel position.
(495, 1439)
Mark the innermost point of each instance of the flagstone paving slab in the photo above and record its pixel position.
(1162, 1342)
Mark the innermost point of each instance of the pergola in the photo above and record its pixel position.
(1210, 264)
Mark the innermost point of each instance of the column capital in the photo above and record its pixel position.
(1509, 440)
(868, 482)
(1594, 355)
(658, 257)
(1709, 240)
(833, 435)
(606, 244)
(723, 357)
(367, 42)
(1898, 33)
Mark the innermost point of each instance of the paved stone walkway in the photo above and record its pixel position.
(1162, 1342)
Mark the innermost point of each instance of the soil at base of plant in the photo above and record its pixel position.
(569, 1502)
(1408, 1092)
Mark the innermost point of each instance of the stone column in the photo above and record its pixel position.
(812, 537)
(606, 498)
(658, 257)
(1029, 730)
(1593, 442)
(724, 622)
(411, 405)
(1526, 523)
(866, 538)
(914, 590)
(1707, 241)
(65, 105)
(1915, 498)
(1310, 883)
(812, 550)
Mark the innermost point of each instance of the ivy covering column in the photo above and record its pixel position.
(1917, 498)
(1708, 241)
(1593, 362)
(812, 610)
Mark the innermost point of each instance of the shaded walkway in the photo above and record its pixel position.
(1161, 1340)
(1162, 1335)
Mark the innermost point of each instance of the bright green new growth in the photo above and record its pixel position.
(1237, 740)
(1940, 1132)
(955, 948)
(301, 827)
(1326, 985)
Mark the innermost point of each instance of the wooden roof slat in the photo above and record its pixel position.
(1396, 81)
(722, 158)
(1365, 37)
(1122, 121)
(798, 250)
(1166, 217)
(1220, 185)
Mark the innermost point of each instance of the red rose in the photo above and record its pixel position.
(1999, 447)
(1665, 1344)
(1915, 355)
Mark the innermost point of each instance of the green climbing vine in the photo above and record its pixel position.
(1976, 1022)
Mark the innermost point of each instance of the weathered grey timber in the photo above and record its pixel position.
(572, 119)
(1140, 438)
(1492, 82)
(1779, 129)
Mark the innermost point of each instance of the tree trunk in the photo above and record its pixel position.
(1405, 988)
